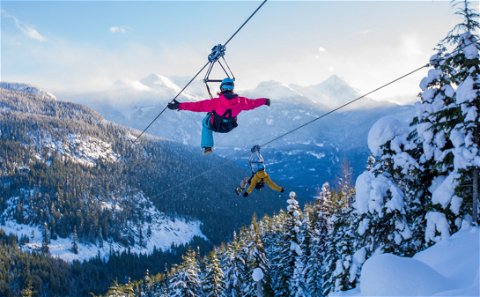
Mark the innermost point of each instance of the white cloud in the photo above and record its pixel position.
(91, 68)
(27, 30)
(366, 31)
(119, 29)
(321, 49)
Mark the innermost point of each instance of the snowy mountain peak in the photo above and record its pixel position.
(334, 80)
(25, 88)
(130, 85)
(276, 89)
(334, 85)
(157, 81)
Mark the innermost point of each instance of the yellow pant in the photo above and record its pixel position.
(258, 177)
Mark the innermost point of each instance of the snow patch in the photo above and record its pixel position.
(390, 275)
(85, 150)
(384, 130)
(451, 267)
(316, 155)
(161, 233)
(257, 274)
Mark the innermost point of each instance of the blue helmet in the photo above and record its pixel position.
(227, 84)
(261, 167)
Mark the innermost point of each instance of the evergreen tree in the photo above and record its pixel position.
(234, 267)
(307, 248)
(257, 276)
(323, 209)
(288, 277)
(213, 283)
(28, 290)
(75, 240)
(185, 280)
(346, 190)
(446, 127)
(339, 252)
(45, 239)
(100, 237)
(146, 286)
(128, 290)
(115, 290)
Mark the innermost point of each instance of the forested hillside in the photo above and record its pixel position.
(420, 186)
(74, 185)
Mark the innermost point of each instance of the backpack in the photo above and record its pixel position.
(222, 123)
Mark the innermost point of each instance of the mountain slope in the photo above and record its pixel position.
(64, 165)
(302, 160)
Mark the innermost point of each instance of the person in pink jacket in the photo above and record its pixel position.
(221, 111)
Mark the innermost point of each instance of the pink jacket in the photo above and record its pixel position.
(221, 104)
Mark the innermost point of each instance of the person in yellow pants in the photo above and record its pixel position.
(259, 176)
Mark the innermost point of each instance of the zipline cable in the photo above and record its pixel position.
(309, 122)
(356, 99)
(165, 108)
(344, 105)
(298, 128)
(192, 178)
(244, 23)
(195, 76)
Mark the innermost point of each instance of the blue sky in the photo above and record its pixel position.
(83, 46)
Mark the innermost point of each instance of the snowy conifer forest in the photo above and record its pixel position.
(87, 211)
(419, 188)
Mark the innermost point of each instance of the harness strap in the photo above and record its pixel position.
(227, 113)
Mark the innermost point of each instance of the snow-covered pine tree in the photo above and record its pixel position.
(213, 283)
(339, 252)
(306, 246)
(465, 135)
(114, 290)
(185, 281)
(322, 210)
(380, 207)
(146, 285)
(233, 267)
(257, 275)
(447, 127)
(128, 289)
(324, 201)
(288, 277)
(273, 229)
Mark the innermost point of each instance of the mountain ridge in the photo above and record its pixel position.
(68, 167)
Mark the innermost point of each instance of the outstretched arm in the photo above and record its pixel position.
(248, 104)
(199, 106)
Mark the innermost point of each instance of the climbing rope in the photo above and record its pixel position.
(218, 53)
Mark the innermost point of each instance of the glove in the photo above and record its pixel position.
(173, 105)
(267, 101)
(282, 190)
(245, 194)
